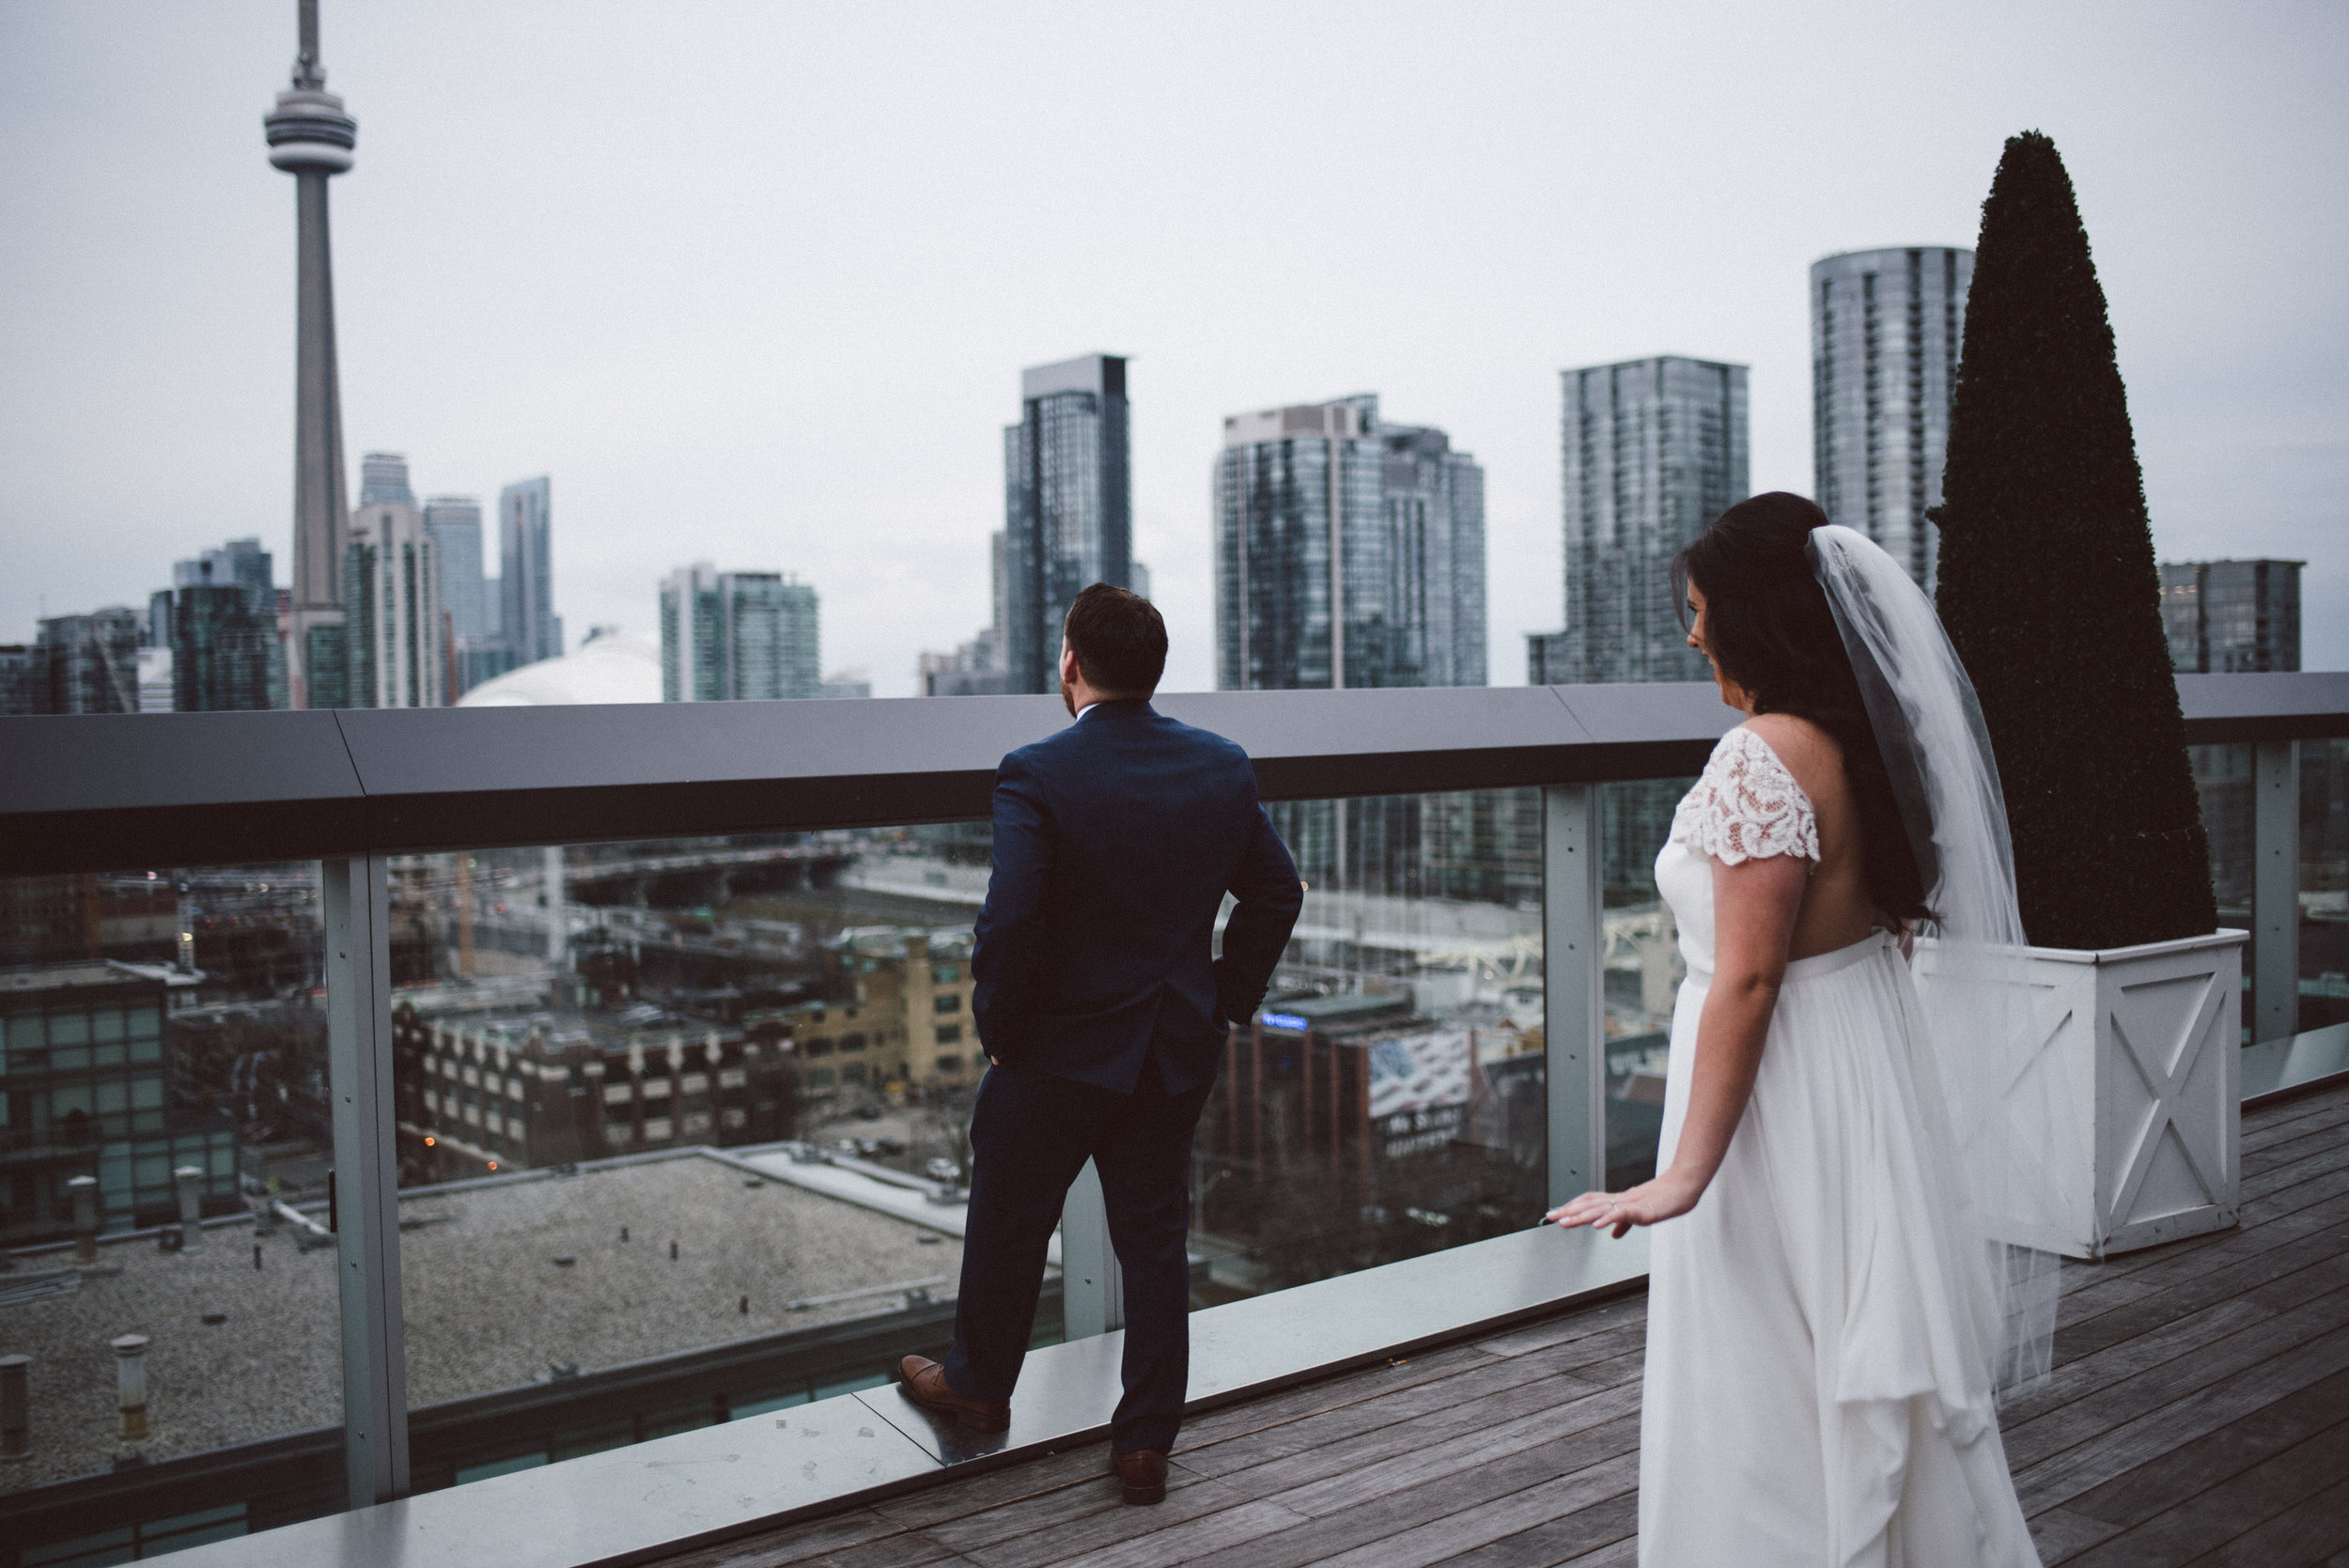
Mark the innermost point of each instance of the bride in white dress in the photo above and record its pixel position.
(1829, 1324)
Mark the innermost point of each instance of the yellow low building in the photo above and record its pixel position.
(910, 1022)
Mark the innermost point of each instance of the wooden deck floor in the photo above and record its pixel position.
(2199, 1414)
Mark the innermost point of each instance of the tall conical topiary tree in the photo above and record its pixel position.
(2049, 590)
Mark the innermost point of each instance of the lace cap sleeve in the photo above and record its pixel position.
(1747, 806)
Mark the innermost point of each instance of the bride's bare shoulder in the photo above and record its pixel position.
(1808, 751)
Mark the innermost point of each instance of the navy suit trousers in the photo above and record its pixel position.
(1031, 1134)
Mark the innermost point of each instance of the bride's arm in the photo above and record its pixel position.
(1755, 903)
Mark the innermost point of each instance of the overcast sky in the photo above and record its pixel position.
(754, 283)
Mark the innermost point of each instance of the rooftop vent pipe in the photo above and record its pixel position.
(188, 1179)
(131, 1383)
(15, 1440)
(85, 1190)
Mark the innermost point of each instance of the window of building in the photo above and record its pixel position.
(819, 1077)
(945, 974)
(946, 1001)
(815, 1047)
(851, 1043)
(949, 1034)
(852, 1073)
(950, 1064)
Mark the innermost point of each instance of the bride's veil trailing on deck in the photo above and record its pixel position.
(1972, 974)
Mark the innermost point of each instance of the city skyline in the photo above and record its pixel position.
(501, 355)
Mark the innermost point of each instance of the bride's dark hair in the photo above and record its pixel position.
(1768, 628)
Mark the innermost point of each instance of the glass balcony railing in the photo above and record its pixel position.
(500, 1153)
(165, 1144)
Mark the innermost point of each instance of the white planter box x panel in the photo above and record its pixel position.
(2148, 1040)
(2143, 1045)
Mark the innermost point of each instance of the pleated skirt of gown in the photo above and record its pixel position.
(1814, 1391)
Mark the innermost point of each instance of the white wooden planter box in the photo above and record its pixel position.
(2147, 1044)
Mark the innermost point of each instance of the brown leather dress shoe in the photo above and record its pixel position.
(1143, 1473)
(925, 1382)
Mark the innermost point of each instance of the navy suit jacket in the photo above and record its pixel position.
(1115, 841)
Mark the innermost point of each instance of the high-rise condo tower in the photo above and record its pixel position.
(1885, 331)
(1068, 506)
(526, 582)
(1652, 450)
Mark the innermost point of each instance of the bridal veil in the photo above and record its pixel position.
(1971, 972)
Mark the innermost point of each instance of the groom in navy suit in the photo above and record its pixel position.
(1104, 1012)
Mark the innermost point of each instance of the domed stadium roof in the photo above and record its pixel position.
(609, 667)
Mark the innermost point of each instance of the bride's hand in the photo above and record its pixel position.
(1664, 1198)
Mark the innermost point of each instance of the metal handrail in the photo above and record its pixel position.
(130, 791)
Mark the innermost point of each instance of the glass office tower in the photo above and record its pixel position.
(1435, 507)
(1885, 331)
(2232, 617)
(454, 521)
(1654, 450)
(393, 653)
(527, 620)
(1303, 568)
(1068, 507)
(737, 636)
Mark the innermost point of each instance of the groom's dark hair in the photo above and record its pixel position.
(1119, 640)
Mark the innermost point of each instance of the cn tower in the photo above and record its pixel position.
(311, 137)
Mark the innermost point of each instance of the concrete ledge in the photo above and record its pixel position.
(2295, 1065)
(649, 1500)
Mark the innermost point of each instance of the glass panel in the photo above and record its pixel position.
(579, 1033)
(2324, 883)
(123, 1068)
(1642, 968)
(2222, 781)
(1388, 1100)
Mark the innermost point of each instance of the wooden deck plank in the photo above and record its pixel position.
(1198, 1540)
(2166, 1268)
(802, 1543)
(2309, 1168)
(1457, 1491)
(1572, 1538)
(2186, 1472)
(1616, 1410)
(2062, 1535)
(2256, 1229)
(907, 1550)
(2217, 1515)
(2314, 1114)
(1075, 1467)
(2063, 1476)
(2078, 1376)
(2107, 1410)
(1631, 1311)
(2296, 1536)
(2286, 1143)
(1444, 1539)
(2276, 1280)
(1021, 1536)
(1368, 1383)
(2199, 1414)
(2299, 1538)
(1362, 1434)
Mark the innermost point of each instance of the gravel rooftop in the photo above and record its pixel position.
(487, 1306)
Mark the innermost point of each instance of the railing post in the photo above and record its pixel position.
(1573, 989)
(366, 1176)
(2275, 889)
(1092, 1289)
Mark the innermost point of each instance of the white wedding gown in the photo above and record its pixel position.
(1817, 1389)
